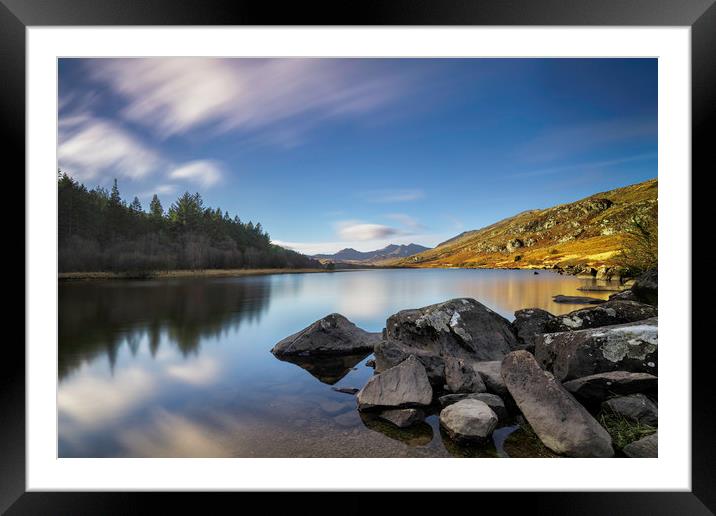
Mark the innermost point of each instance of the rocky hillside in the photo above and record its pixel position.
(583, 234)
(390, 252)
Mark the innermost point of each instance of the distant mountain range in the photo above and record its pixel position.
(588, 232)
(390, 252)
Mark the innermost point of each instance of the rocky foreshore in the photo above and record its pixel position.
(571, 378)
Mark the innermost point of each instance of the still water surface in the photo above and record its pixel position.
(182, 368)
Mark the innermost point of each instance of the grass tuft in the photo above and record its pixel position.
(622, 430)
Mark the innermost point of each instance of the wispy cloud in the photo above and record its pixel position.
(406, 220)
(392, 195)
(205, 173)
(176, 95)
(361, 231)
(564, 141)
(587, 165)
(90, 146)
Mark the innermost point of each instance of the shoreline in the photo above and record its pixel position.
(228, 273)
(183, 273)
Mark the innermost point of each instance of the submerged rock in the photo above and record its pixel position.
(468, 420)
(558, 419)
(459, 328)
(646, 287)
(577, 300)
(403, 418)
(332, 335)
(346, 390)
(634, 407)
(492, 400)
(418, 434)
(602, 386)
(461, 376)
(629, 347)
(645, 448)
(403, 385)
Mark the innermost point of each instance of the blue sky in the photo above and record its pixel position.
(334, 153)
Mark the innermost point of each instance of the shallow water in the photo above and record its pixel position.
(182, 368)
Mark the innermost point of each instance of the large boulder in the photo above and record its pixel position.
(599, 387)
(606, 314)
(492, 400)
(332, 335)
(531, 322)
(634, 407)
(404, 385)
(645, 448)
(461, 376)
(646, 287)
(459, 328)
(558, 419)
(468, 420)
(624, 347)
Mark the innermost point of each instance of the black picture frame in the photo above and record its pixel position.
(700, 15)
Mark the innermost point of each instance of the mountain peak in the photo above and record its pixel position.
(389, 252)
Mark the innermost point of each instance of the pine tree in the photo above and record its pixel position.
(136, 206)
(155, 208)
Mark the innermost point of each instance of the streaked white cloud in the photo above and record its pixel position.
(560, 141)
(392, 195)
(361, 231)
(406, 220)
(92, 148)
(589, 165)
(89, 147)
(205, 173)
(175, 95)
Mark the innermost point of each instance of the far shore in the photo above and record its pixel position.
(199, 273)
(227, 273)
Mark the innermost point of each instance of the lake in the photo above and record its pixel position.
(182, 368)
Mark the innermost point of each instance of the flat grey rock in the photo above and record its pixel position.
(558, 419)
(403, 385)
(332, 335)
(468, 420)
(461, 376)
(491, 373)
(602, 386)
(492, 400)
(629, 347)
(634, 407)
(645, 448)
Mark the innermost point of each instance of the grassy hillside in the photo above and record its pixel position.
(589, 232)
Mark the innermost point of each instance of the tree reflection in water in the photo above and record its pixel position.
(99, 317)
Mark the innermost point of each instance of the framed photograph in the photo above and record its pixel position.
(267, 251)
